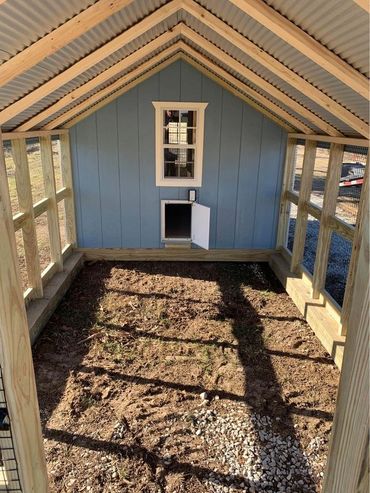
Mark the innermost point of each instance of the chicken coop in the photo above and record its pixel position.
(185, 130)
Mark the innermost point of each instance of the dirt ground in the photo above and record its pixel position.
(137, 350)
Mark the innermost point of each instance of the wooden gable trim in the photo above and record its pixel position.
(59, 37)
(89, 61)
(259, 81)
(306, 44)
(276, 67)
(100, 79)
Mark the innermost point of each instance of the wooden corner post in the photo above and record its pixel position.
(16, 357)
(66, 164)
(283, 224)
(347, 468)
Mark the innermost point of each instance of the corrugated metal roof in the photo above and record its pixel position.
(338, 24)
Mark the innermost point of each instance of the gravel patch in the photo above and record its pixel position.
(254, 457)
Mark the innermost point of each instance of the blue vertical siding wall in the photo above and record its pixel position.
(113, 153)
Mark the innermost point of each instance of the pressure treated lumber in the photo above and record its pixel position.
(24, 192)
(50, 193)
(364, 4)
(69, 201)
(248, 94)
(16, 358)
(334, 140)
(89, 61)
(304, 196)
(356, 245)
(111, 92)
(328, 210)
(31, 134)
(284, 211)
(59, 37)
(273, 91)
(177, 254)
(347, 466)
(273, 65)
(100, 79)
(306, 44)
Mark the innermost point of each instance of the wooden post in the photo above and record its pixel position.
(347, 467)
(348, 294)
(69, 203)
(16, 357)
(328, 210)
(304, 197)
(283, 224)
(24, 191)
(50, 192)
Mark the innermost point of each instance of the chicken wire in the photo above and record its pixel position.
(9, 474)
(338, 264)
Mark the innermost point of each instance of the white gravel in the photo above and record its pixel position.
(253, 458)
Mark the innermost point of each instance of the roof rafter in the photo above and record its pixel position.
(90, 60)
(258, 81)
(110, 72)
(246, 94)
(276, 67)
(59, 37)
(364, 4)
(306, 44)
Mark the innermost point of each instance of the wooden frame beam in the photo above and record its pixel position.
(306, 44)
(69, 201)
(332, 140)
(29, 135)
(90, 60)
(259, 81)
(59, 37)
(24, 191)
(364, 4)
(16, 357)
(104, 76)
(273, 65)
(112, 91)
(304, 196)
(347, 466)
(328, 210)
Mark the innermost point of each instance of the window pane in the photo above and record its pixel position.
(170, 116)
(188, 117)
(178, 133)
(179, 162)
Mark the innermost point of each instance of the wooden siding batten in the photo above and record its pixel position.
(359, 231)
(24, 191)
(15, 356)
(69, 201)
(347, 467)
(304, 195)
(283, 222)
(328, 211)
(50, 192)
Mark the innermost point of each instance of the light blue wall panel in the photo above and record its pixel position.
(113, 152)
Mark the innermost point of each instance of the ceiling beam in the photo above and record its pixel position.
(364, 4)
(276, 67)
(106, 92)
(241, 90)
(92, 84)
(89, 105)
(306, 44)
(59, 37)
(258, 81)
(89, 61)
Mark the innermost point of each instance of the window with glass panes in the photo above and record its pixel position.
(179, 143)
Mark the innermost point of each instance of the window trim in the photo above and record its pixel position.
(160, 179)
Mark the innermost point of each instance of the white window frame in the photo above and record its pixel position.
(161, 180)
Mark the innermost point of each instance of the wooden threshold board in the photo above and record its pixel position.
(40, 310)
(177, 254)
(318, 316)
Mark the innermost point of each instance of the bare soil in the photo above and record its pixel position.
(122, 363)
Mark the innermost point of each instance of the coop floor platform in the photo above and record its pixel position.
(182, 377)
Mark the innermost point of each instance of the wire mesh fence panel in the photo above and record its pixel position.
(352, 175)
(319, 176)
(9, 474)
(35, 169)
(298, 165)
(292, 224)
(57, 164)
(43, 240)
(310, 246)
(338, 264)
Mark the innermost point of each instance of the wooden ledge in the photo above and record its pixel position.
(315, 312)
